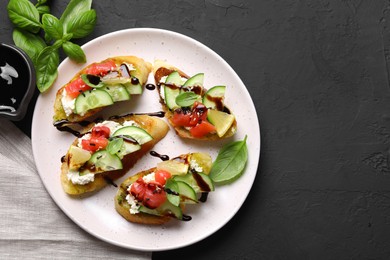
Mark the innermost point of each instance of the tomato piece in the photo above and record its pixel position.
(75, 87)
(138, 189)
(202, 129)
(181, 118)
(94, 143)
(101, 69)
(198, 113)
(154, 196)
(102, 130)
(161, 177)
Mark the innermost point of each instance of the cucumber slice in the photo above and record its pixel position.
(187, 193)
(172, 190)
(134, 89)
(92, 80)
(128, 148)
(102, 161)
(221, 120)
(200, 182)
(165, 209)
(174, 78)
(172, 90)
(117, 92)
(138, 134)
(196, 80)
(214, 97)
(92, 99)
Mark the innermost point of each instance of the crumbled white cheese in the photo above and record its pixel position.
(76, 178)
(149, 177)
(195, 166)
(130, 66)
(68, 103)
(134, 206)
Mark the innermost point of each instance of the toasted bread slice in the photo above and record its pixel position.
(139, 71)
(155, 127)
(182, 169)
(161, 70)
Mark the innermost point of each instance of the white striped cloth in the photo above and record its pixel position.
(31, 224)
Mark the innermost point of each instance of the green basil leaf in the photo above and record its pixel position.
(46, 68)
(52, 26)
(230, 162)
(41, 2)
(32, 44)
(73, 10)
(74, 52)
(187, 99)
(82, 25)
(43, 9)
(172, 186)
(23, 14)
(115, 145)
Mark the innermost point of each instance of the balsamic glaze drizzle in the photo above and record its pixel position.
(162, 157)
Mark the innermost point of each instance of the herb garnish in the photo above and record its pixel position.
(41, 34)
(230, 162)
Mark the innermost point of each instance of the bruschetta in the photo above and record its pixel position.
(157, 195)
(105, 151)
(99, 85)
(193, 111)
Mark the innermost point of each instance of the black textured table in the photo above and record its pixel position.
(319, 75)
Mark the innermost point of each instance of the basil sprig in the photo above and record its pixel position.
(41, 34)
(187, 99)
(230, 162)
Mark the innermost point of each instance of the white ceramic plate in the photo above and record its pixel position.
(96, 214)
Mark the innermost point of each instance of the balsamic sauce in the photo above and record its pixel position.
(111, 182)
(162, 157)
(201, 183)
(150, 86)
(203, 197)
(65, 125)
(63, 159)
(186, 217)
(14, 80)
(94, 80)
(134, 81)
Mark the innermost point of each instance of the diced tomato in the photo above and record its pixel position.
(102, 130)
(181, 119)
(74, 88)
(101, 69)
(94, 143)
(151, 195)
(202, 129)
(197, 114)
(138, 189)
(161, 177)
(154, 196)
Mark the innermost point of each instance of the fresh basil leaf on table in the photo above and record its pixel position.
(82, 25)
(77, 21)
(230, 162)
(52, 26)
(74, 52)
(23, 14)
(46, 67)
(74, 9)
(31, 43)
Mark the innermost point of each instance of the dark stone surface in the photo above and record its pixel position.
(319, 73)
